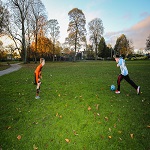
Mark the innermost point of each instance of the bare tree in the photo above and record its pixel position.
(4, 17)
(76, 29)
(54, 33)
(96, 31)
(148, 44)
(19, 10)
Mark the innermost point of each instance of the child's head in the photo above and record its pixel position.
(116, 58)
(42, 60)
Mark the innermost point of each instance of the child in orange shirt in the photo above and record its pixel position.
(38, 76)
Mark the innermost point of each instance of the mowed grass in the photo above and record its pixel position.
(77, 110)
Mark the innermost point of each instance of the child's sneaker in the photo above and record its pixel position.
(37, 97)
(117, 92)
(138, 90)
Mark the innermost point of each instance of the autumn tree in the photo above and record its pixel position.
(76, 29)
(53, 27)
(38, 20)
(44, 46)
(96, 31)
(123, 46)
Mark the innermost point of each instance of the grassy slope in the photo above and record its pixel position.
(76, 104)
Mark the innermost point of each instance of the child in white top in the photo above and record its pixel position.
(124, 75)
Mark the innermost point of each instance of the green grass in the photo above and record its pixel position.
(4, 66)
(76, 104)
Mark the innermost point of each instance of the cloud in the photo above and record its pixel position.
(137, 34)
(144, 14)
(127, 17)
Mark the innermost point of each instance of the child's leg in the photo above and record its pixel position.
(35, 79)
(120, 77)
(38, 87)
(127, 78)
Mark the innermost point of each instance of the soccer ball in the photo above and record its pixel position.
(112, 88)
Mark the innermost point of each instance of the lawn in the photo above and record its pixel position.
(77, 110)
(4, 66)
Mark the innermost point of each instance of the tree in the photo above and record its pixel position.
(96, 30)
(54, 33)
(11, 50)
(44, 47)
(76, 29)
(123, 46)
(38, 20)
(89, 52)
(109, 46)
(148, 44)
(4, 17)
(19, 12)
(102, 48)
(1, 50)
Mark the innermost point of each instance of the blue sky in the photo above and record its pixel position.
(131, 18)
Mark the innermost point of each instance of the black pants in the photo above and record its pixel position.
(127, 78)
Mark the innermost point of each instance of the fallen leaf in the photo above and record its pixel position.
(56, 114)
(109, 129)
(19, 137)
(114, 125)
(75, 133)
(120, 139)
(89, 108)
(131, 135)
(119, 132)
(97, 106)
(9, 127)
(106, 118)
(67, 140)
(98, 114)
(109, 137)
(60, 116)
(59, 95)
(148, 126)
(34, 147)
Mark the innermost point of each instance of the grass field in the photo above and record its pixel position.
(77, 110)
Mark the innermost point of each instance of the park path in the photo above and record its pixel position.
(14, 67)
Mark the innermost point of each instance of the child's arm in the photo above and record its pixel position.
(40, 74)
(119, 63)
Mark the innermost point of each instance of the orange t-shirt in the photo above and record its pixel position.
(38, 72)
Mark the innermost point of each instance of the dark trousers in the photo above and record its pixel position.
(127, 78)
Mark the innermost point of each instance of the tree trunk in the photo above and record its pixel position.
(24, 43)
(75, 47)
(96, 52)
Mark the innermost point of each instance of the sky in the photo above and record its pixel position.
(129, 17)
